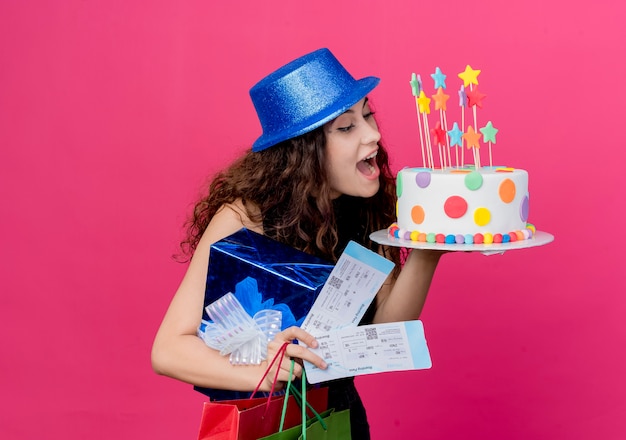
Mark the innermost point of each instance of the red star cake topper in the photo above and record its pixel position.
(475, 98)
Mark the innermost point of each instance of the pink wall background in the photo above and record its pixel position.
(112, 114)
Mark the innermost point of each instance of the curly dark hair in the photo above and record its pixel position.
(288, 187)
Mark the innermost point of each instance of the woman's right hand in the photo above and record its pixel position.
(296, 351)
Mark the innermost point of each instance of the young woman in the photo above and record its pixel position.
(317, 178)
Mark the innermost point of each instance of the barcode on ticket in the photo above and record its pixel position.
(335, 282)
(370, 333)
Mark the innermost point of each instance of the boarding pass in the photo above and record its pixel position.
(370, 349)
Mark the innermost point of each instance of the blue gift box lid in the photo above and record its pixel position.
(283, 275)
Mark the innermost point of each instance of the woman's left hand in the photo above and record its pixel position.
(299, 352)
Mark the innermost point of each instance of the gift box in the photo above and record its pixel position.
(263, 274)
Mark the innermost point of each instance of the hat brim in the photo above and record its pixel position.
(362, 88)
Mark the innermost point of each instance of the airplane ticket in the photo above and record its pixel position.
(351, 286)
(369, 349)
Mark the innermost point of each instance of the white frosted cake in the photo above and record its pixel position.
(451, 202)
(462, 205)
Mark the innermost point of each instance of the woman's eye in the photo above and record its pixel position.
(347, 128)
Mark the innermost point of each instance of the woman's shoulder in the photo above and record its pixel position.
(239, 215)
(228, 219)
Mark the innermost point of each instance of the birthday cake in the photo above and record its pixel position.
(449, 201)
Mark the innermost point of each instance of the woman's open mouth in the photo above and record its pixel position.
(368, 166)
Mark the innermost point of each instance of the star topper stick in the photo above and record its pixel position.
(439, 136)
(470, 78)
(456, 139)
(415, 89)
(424, 108)
(489, 135)
(440, 99)
(474, 100)
(472, 138)
(462, 104)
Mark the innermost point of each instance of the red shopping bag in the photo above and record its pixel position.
(250, 419)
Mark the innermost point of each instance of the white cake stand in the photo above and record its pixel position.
(539, 239)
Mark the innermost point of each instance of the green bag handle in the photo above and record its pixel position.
(302, 402)
(282, 417)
